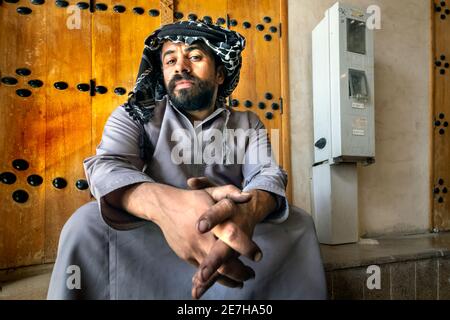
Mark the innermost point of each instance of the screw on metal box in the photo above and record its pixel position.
(321, 143)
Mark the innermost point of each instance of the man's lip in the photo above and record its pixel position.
(184, 83)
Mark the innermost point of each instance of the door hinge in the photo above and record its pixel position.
(228, 21)
(281, 105)
(92, 6)
(279, 29)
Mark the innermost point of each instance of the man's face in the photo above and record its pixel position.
(190, 75)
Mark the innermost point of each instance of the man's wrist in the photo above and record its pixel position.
(262, 204)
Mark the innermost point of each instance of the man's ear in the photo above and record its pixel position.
(220, 74)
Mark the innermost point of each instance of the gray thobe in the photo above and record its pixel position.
(118, 256)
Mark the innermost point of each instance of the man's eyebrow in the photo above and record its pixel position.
(167, 53)
(188, 49)
(194, 47)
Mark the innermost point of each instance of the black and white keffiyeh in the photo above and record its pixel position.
(149, 87)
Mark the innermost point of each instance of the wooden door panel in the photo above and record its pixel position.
(441, 117)
(68, 119)
(201, 9)
(260, 83)
(117, 46)
(22, 135)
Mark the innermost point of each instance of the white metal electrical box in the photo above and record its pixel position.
(343, 85)
(335, 203)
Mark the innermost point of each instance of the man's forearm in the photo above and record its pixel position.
(145, 200)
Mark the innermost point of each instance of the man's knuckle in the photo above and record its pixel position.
(230, 188)
(228, 204)
(232, 233)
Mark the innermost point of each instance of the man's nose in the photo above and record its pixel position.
(183, 65)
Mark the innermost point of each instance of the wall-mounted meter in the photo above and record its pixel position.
(344, 133)
(343, 81)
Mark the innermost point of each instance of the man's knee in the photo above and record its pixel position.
(303, 218)
(82, 255)
(84, 223)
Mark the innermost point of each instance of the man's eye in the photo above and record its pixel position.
(171, 61)
(195, 58)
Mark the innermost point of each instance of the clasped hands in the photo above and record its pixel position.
(215, 228)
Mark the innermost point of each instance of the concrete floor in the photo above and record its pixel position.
(28, 283)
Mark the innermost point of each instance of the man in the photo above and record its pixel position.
(177, 222)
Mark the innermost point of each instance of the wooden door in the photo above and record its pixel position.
(65, 66)
(45, 126)
(441, 115)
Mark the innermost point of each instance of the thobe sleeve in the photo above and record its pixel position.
(116, 164)
(260, 171)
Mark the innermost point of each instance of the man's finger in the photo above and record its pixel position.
(216, 214)
(199, 288)
(236, 270)
(229, 192)
(218, 254)
(223, 259)
(196, 183)
(237, 239)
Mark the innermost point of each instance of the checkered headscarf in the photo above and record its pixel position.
(226, 44)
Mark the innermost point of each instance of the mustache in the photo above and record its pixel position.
(179, 77)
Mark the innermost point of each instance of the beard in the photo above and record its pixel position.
(198, 97)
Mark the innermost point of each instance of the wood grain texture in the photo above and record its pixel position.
(68, 118)
(117, 46)
(22, 135)
(441, 101)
